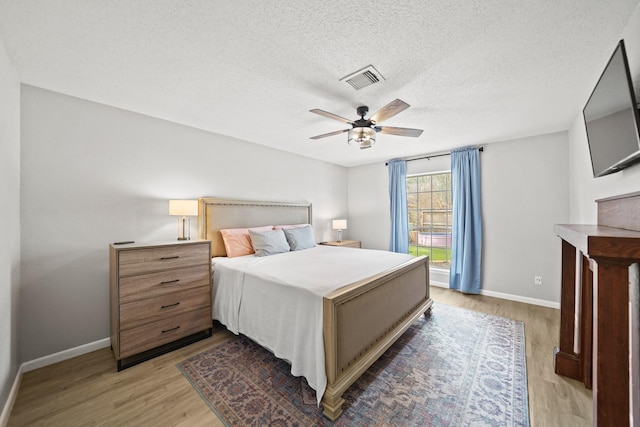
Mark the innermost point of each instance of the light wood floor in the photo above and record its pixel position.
(87, 390)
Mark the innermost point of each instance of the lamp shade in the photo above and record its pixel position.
(339, 224)
(183, 207)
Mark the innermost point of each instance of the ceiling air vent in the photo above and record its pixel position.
(363, 78)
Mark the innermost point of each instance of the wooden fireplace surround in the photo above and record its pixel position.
(599, 326)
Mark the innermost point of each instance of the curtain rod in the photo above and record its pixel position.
(448, 153)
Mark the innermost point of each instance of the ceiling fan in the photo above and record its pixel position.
(363, 131)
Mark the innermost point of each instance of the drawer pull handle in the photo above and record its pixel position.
(169, 257)
(170, 305)
(172, 329)
(169, 281)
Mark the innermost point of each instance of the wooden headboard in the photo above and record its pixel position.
(218, 214)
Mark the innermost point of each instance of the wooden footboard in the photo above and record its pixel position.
(362, 320)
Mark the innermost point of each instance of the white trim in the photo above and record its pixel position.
(510, 297)
(66, 354)
(11, 399)
(427, 173)
(438, 284)
(439, 276)
(42, 362)
(518, 298)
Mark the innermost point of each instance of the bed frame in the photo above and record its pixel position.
(361, 320)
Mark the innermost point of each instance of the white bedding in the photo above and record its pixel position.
(277, 300)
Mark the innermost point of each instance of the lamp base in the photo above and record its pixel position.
(184, 229)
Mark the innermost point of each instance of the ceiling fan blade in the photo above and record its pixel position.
(331, 116)
(389, 110)
(399, 131)
(324, 135)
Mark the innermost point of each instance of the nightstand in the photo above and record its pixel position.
(160, 296)
(344, 243)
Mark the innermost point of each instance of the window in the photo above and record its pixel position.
(430, 213)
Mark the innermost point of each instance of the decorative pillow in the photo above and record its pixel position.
(300, 237)
(270, 242)
(278, 227)
(237, 241)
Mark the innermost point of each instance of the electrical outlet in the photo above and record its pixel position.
(537, 280)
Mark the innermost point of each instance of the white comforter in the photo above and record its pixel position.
(277, 300)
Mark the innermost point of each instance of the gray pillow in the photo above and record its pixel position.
(268, 242)
(300, 238)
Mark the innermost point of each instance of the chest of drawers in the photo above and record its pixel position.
(160, 298)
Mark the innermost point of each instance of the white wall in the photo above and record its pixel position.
(369, 206)
(10, 221)
(584, 188)
(524, 193)
(93, 174)
(525, 185)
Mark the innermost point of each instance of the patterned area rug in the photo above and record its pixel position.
(455, 368)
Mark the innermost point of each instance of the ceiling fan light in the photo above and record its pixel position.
(362, 137)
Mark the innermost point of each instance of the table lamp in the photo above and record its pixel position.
(183, 209)
(339, 225)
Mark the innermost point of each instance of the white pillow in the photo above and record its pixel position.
(270, 242)
(300, 238)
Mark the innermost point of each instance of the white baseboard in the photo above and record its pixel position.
(510, 297)
(42, 362)
(518, 298)
(13, 394)
(438, 284)
(65, 354)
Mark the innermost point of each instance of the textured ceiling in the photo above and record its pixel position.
(473, 71)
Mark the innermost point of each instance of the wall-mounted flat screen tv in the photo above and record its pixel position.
(611, 117)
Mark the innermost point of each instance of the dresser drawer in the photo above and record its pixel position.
(155, 284)
(134, 341)
(150, 310)
(146, 260)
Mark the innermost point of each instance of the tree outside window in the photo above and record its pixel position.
(430, 213)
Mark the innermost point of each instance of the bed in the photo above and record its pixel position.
(359, 318)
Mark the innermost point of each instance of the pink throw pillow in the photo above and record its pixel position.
(237, 241)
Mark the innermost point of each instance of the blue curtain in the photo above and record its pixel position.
(466, 254)
(398, 198)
